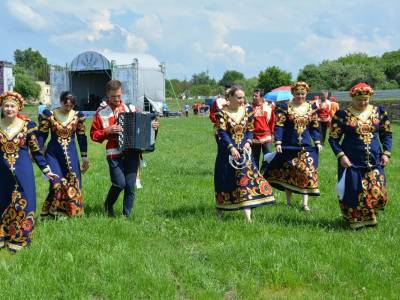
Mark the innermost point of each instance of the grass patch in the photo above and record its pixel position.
(174, 247)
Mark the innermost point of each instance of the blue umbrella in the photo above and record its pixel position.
(278, 96)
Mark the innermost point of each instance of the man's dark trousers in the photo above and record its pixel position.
(123, 171)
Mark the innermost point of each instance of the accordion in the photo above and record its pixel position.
(137, 131)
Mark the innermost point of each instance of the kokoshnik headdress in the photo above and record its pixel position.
(14, 97)
(361, 89)
(300, 87)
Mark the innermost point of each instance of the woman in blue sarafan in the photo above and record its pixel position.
(294, 169)
(242, 186)
(363, 153)
(65, 193)
(18, 142)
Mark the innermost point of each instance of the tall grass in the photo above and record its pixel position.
(175, 247)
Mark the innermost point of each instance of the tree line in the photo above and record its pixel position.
(382, 72)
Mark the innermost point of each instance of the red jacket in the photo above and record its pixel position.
(104, 118)
(264, 123)
(324, 110)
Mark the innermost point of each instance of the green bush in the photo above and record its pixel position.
(26, 86)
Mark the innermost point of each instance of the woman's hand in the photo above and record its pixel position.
(319, 147)
(278, 148)
(345, 162)
(235, 153)
(50, 175)
(85, 164)
(247, 146)
(385, 160)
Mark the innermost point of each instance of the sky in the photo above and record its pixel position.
(195, 36)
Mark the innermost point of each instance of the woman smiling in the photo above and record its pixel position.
(18, 139)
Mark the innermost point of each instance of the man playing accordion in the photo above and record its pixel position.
(123, 165)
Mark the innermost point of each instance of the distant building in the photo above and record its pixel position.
(45, 96)
(7, 80)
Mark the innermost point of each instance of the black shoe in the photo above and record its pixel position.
(108, 210)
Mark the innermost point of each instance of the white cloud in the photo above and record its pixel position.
(125, 58)
(97, 23)
(133, 42)
(333, 47)
(150, 27)
(221, 51)
(100, 31)
(101, 21)
(194, 35)
(214, 44)
(26, 15)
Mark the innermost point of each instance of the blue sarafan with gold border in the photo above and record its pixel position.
(237, 188)
(297, 131)
(65, 196)
(297, 125)
(18, 143)
(363, 137)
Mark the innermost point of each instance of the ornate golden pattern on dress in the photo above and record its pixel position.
(238, 188)
(364, 135)
(65, 197)
(299, 174)
(17, 225)
(18, 199)
(10, 144)
(301, 116)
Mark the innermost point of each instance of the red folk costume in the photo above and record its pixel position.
(264, 123)
(104, 118)
(335, 105)
(324, 110)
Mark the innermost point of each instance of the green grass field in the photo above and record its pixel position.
(175, 248)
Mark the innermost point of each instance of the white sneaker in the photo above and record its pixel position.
(138, 184)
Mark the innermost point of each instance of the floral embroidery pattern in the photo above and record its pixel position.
(365, 129)
(371, 199)
(250, 189)
(17, 225)
(299, 172)
(236, 129)
(17, 220)
(300, 119)
(251, 186)
(66, 197)
(10, 148)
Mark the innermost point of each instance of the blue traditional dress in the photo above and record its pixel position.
(17, 188)
(237, 188)
(295, 169)
(65, 195)
(364, 135)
